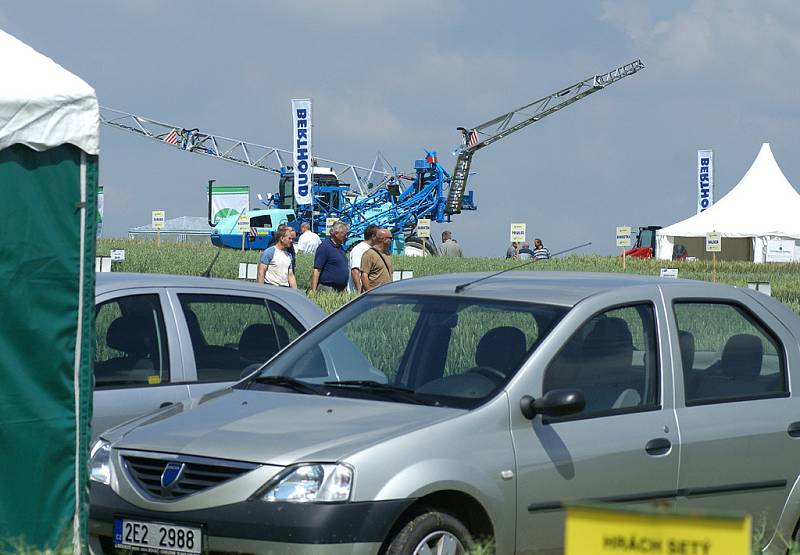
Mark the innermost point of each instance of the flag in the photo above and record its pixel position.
(253, 234)
(172, 137)
(473, 138)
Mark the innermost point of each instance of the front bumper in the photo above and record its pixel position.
(261, 527)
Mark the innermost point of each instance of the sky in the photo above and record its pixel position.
(399, 77)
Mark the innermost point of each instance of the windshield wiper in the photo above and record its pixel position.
(285, 381)
(381, 388)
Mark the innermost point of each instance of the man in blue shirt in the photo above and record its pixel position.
(331, 268)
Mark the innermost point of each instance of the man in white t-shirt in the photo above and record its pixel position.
(275, 265)
(356, 252)
(308, 241)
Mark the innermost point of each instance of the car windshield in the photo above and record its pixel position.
(446, 351)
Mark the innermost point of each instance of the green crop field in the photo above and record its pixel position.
(194, 259)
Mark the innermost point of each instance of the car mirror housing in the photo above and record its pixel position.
(555, 403)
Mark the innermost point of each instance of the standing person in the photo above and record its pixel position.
(376, 264)
(309, 241)
(275, 264)
(512, 250)
(290, 251)
(355, 258)
(449, 246)
(331, 270)
(525, 253)
(540, 252)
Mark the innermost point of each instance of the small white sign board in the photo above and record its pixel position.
(399, 275)
(328, 225)
(713, 242)
(102, 264)
(624, 236)
(761, 287)
(669, 273)
(248, 270)
(423, 228)
(517, 233)
(780, 250)
(158, 219)
(118, 255)
(243, 223)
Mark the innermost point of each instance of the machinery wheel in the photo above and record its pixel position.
(431, 532)
(414, 247)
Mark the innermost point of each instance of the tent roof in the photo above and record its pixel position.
(42, 105)
(763, 203)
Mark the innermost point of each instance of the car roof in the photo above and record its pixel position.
(110, 281)
(557, 288)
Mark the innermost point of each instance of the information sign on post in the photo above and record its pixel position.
(328, 225)
(623, 240)
(158, 218)
(243, 225)
(423, 231)
(118, 255)
(518, 235)
(713, 245)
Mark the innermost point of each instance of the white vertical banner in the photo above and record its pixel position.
(705, 179)
(301, 139)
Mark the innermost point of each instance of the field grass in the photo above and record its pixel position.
(194, 259)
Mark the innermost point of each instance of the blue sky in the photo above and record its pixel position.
(400, 77)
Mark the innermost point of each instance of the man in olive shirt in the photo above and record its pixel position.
(376, 263)
(449, 246)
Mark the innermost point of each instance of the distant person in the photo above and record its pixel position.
(356, 253)
(512, 250)
(308, 241)
(525, 252)
(290, 251)
(331, 269)
(275, 264)
(449, 246)
(376, 263)
(540, 252)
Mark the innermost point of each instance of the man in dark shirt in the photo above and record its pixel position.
(331, 267)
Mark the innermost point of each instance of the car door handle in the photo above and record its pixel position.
(794, 429)
(658, 446)
(165, 404)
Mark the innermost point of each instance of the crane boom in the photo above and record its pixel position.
(252, 155)
(495, 129)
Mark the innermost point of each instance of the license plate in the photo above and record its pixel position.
(157, 537)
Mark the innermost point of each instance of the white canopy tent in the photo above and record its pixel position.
(763, 207)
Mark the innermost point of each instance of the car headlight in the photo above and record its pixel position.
(99, 466)
(312, 483)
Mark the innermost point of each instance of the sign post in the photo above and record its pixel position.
(328, 225)
(158, 224)
(517, 236)
(624, 241)
(243, 226)
(713, 245)
(424, 232)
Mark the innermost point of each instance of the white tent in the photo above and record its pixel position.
(761, 210)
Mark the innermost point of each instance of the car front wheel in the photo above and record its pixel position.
(431, 532)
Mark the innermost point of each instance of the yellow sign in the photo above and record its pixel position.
(328, 225)
(158, 219)
(243, 222)
(596, 531)
(624, 236)
(424, 228)
(518, 233)
(713, 242)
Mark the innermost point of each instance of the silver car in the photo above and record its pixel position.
(436, 411)
(161, 339)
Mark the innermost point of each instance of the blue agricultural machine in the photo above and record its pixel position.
(377, 195)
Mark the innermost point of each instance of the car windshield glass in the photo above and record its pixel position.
(445, 351)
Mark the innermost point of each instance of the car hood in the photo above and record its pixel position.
(280, 428)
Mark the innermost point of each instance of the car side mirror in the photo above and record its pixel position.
(555, 403)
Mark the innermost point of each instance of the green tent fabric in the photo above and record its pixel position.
(47, 269)
(49, 135)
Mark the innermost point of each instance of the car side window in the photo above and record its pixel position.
(286, 325)
(229, 333)
(612, 360)
(727, 354)
(131, 344)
